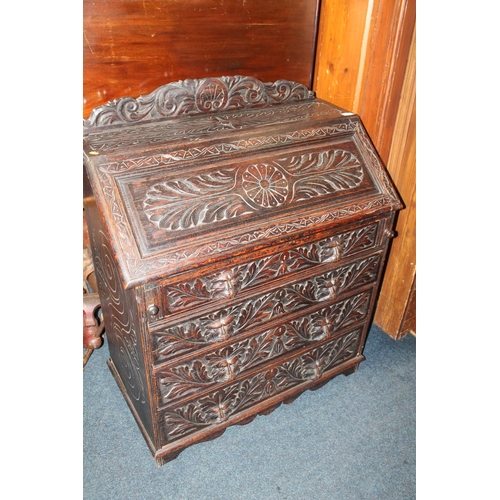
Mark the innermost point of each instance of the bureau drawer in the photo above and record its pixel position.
(202, 372)
(170, 299)
(230, 322)
(219, 406)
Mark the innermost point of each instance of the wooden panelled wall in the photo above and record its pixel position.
(365, 62)
(131, 47)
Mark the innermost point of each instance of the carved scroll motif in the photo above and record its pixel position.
(207, 198)
(198, 96)
(231, 321)
(230, 282)
(228, 362)
(224, 403)
(120, 324)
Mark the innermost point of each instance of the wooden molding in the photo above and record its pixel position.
(365, 62)
(395, 300)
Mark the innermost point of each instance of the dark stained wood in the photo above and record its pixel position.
(131, 47)
(239, 231)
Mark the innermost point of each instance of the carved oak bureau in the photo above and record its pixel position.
(239, 231)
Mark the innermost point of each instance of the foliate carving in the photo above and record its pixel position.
(215, 196)
(231, 321)
(199, 96)
(227, 363)
(230, 282)
(219, 406)
(341, 245)
(146, 267)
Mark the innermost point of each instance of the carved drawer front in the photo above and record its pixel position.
(202, 372)
(231, 322)
(218, 406)
(229, 283)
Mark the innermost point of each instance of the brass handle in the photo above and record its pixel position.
(389, 233)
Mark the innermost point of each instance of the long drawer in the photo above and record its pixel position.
(167, 300)
(204, 333)
(200, 373)
(222, 405)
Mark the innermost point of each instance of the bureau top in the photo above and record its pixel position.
(200, 170)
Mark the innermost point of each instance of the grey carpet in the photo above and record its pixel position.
(352, 439)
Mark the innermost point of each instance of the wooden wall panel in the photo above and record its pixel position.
(131, 47)
(395, 301)
(361, 59)
(388, 45)
(339, 54)
(363, 51)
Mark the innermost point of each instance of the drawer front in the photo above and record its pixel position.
(220, 405)
(227, 284)
(201, 373)
(230, 322)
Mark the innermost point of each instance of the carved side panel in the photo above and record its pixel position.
(229, 362)
(220, 405)
(229, 322)
(122, 326)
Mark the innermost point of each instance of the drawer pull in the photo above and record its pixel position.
(332, 251)
(153, 310)
(223, 286)
(389, 233)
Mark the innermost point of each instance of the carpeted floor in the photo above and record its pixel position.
(353, 439)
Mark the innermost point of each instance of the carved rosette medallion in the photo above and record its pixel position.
(265, 185)
(211, 95)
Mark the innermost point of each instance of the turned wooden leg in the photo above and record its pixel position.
(92, 327)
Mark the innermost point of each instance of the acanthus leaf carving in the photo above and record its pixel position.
(195, 97)
(224, 403)
(230, 322)
(206, 198)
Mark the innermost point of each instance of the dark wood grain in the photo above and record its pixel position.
(130, 47)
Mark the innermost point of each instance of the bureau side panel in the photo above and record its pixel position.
(122, 323)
